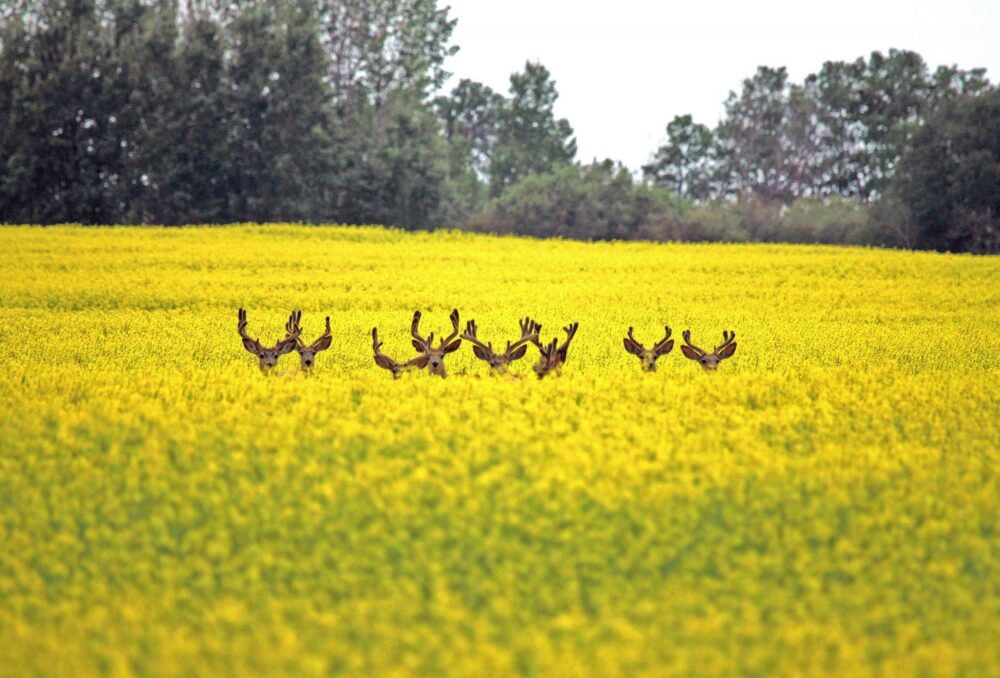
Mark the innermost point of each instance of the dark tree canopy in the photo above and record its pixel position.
(213, 111)
(950, 175)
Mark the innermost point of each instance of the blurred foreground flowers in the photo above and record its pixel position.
(827, 502)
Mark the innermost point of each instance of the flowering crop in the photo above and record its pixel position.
(827, 502)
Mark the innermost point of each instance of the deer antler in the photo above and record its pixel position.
(482, 351)
(292, 327)
(570, 331)
(454, 329)
(687, 340)
(419, 342)
(529, 331)
(252, 345)
(324, 340)
(536, 334)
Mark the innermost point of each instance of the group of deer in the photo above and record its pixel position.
(552, 356)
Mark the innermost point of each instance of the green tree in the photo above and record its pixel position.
(530, 138)
(949, 177)
(687, 163)
(600, 201)
(279, 129)
(753, 138)
(377, 47)
(390, 170)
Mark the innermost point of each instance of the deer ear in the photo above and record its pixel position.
(384, 362)
(453, 346)
(727, 351)
(417, 345)
(420, 361)
(480, 353)
(519, 352)
(249, 345)
(631, 347)
(690, 353)
(666, 348)
(286, 346)
(323, 344)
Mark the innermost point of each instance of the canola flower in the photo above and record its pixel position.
(827, 502)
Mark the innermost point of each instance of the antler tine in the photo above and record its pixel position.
(415, 331)
(687, 340)
(529, 327)
(292, 327)
(666, 337)
(570, 331)
(242, 329)
(454, 328)
(536, 331)
(528, 333)
(469, 335)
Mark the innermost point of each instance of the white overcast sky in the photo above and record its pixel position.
(623, 69)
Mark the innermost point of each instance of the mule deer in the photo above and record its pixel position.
(710, 361)
(552, 358)
(268, 356)
(499, 361)
(385, 362)
(648, 356)
(307, 353)
(426, 349)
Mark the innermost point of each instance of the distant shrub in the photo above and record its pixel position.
(602, 201)
(593, 202)
(833, 220)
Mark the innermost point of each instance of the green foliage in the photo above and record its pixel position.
(209, 111)
(378, 47)
(132, 110)
(393, 167)
(950, 175)
(832, 220)
(530, 139)
(593, 202)
(688, 162)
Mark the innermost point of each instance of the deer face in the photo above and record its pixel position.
(267, 356)
(710, 361)
(552, 355)
(387, 363)
(430, 355)
(307, 352)
(500, 361)
(647, 356)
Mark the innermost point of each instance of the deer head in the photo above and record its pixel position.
(552, 357)
(426, 348)
(499, 361)
(307, 353)
(648, 356)
(385, 362)
(710, 361)
(268, 356)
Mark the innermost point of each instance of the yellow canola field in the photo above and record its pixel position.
(828, 502)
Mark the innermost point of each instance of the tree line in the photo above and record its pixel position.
(214, 111)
